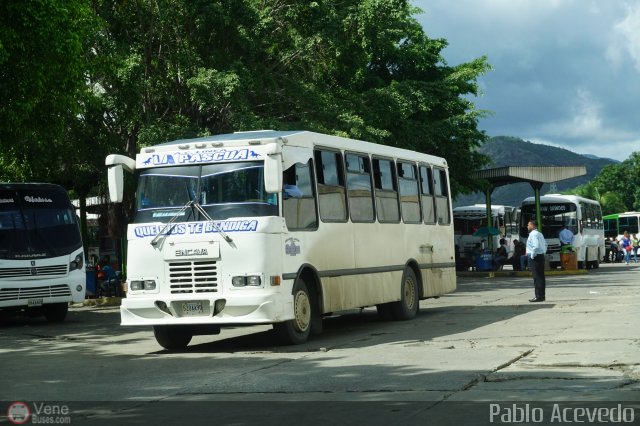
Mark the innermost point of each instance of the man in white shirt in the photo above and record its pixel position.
(536, 249)
(566, 237)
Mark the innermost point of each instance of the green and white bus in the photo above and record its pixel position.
(616, 224)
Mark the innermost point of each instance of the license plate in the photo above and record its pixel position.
(192, 308)
(32, 303)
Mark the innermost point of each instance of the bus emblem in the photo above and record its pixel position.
(191, 252)
(292, 246)
(34, 271)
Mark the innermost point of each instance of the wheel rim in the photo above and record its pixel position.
(302, 311)
(409, 292)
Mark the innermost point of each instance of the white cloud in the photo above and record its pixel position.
(626, 38)
(564, 71)
(585, 121)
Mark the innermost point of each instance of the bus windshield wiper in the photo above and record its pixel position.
(192, 204)
(215, 225)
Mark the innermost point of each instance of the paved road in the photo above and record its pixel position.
(485, 344)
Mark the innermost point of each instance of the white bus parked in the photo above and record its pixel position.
(281, 228)
(41, 253)
(581, 215)
(468, 219)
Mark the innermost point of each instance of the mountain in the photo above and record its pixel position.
(511, 151)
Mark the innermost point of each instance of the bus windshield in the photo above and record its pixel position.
(37, 223)
(554, 217)
(224, 191)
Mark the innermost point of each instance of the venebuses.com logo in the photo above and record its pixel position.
(20, 413)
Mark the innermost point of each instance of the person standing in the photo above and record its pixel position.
(566, 237)
(627, 246)
(536, 249)
(634, 248)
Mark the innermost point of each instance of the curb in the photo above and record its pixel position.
(102, 301)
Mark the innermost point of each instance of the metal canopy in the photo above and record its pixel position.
(536, 176)
(533, 174)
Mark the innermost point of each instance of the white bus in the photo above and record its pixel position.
(468, 219)
(582, 216)
(41, 253)
(281, 228)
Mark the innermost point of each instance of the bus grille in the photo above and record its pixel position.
(553, 248)
(34, 292)
(33, 271)
(193, 277)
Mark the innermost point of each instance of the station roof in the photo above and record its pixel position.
(532, 174)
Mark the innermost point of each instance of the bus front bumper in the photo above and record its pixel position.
(253, 309)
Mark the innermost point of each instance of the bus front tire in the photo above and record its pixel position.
(172, 337)
(55, 312)
(407, 307)
(297, 330)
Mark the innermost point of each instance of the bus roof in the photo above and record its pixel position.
(482, 208)
(559, 198)
(619, 215)
(29, 186)
(299, 138)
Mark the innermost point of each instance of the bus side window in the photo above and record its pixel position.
(408, 186)
(428, 202)
(300, 212)
(442, 195)
(331, 186)
(384, 177)
(359, 188)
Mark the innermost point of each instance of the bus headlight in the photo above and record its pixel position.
(76, 263)
(246, 280)
(138, 285)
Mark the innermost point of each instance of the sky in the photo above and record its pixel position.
(564, 72)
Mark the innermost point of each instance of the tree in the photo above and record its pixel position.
(82, 79)
(42, 66)
(361, 68)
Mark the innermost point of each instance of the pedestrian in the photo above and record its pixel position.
(519, 256)
(536, 249)
(565, 237)
(634, 243)
(627, 246)
(501, 255)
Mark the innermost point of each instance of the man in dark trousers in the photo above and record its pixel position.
(536, 248)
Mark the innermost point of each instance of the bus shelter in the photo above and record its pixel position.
(536, 176)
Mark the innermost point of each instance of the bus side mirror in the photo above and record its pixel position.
(273, 171)
(116, 163)
(116, 183)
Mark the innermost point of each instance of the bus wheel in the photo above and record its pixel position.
(172, 337)
(407, 307)
(56, 312)
(297, 330)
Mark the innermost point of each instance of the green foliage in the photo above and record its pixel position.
(621, 183)
(42, 64)
(111, 76)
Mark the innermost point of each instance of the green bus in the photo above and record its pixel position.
(615, 224)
